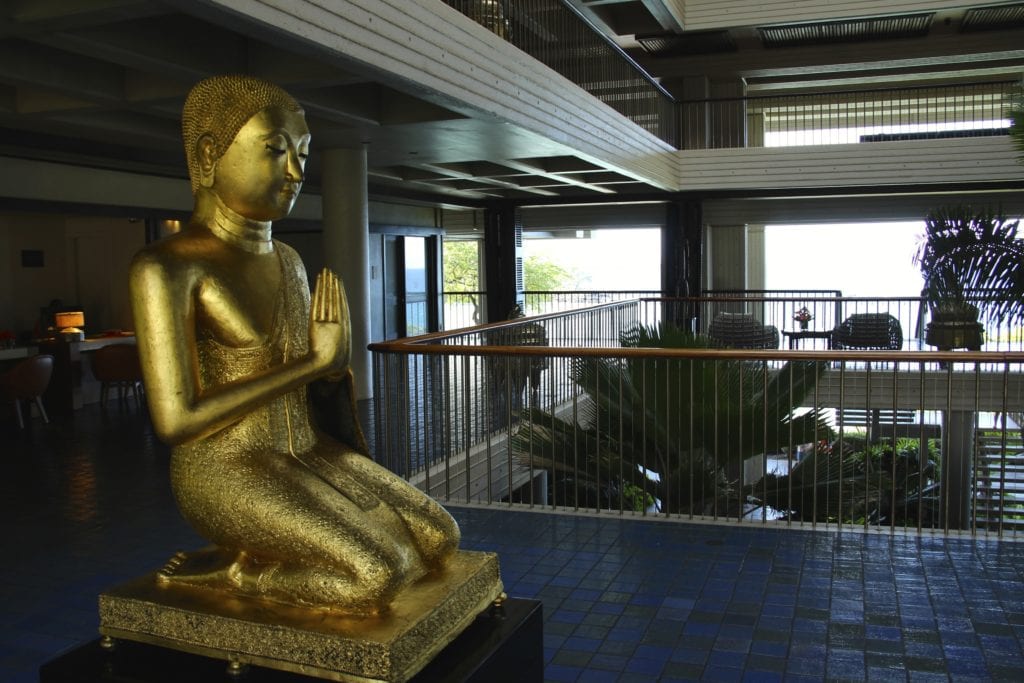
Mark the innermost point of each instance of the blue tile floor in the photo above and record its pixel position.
(86, 505)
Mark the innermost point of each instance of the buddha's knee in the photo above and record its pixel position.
(439, 538)
(379, 577)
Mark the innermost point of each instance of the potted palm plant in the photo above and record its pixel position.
(690, 423)
(972, 262)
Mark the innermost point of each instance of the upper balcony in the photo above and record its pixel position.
(727, 81)
(444, 109)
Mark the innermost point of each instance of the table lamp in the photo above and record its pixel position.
(70, 323)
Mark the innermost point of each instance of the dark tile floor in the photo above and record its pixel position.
(86, 504)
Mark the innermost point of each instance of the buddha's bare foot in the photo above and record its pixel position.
(210, 567)
(239, 574)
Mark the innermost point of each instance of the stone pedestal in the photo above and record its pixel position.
(243, 631)
(499, 646)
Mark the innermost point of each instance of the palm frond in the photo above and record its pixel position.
(973, 255)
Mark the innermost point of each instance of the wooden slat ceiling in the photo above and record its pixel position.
(101, 83)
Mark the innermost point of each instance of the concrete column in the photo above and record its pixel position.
(681, 256)
(755, 257)
(957, 452)
(346, 248)
(503, 246)
(728, 256)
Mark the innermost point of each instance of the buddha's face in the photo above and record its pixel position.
(260, 174)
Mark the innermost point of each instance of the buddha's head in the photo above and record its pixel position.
(246, 141)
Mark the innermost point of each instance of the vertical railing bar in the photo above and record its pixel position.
(668, 450)
(842, 444)
(488, 455)
(421, 373)
(575, 450)
(597, 438)
(622, 419)
(1002, 450)
(868, 465)
(925, 449)
(972, 461)
(740, 419)
(378, 404)
(484, 411)
(530, 474)
(814, 462)
(764, 441)
(552, 484)
(892, 489)
(692, 455)
(946, 441)
(408, 397)
(390, 446)
(524, 414)
(447, 427)
(714, 454)
(643, 428)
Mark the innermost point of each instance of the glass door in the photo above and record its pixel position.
(410, 287)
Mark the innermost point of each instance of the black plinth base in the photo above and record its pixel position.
(505, 646)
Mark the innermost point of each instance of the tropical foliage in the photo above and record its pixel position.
(971, 256)
(856, 482)
(678, 429)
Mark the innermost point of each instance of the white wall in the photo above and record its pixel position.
(85, 262)
(25, 290)
(100, 251)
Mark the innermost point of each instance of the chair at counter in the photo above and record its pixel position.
(27, 381)
(117, 365)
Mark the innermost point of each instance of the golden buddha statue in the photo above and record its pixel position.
(229, 337)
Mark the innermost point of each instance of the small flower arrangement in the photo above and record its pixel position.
(7, 339)
(803, 316)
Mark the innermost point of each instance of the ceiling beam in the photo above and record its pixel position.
(566, 179)
(452, 173)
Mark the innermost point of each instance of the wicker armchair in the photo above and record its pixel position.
(742, 331)
(868, 331)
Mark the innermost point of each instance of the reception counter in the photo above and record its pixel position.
(73, 384)
(17, 353)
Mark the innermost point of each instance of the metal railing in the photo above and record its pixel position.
(823, 311)
(467, 309)
(554, 33)
(553, 412)
(845, 117)
(464, 309)
(538, 302)
(824, 314)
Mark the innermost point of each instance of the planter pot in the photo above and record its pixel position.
(957, 329)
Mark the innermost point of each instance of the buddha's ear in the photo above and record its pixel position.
(206, 153)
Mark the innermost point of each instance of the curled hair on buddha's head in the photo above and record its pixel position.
(220, 106)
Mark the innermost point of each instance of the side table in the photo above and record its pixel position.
(795, 336)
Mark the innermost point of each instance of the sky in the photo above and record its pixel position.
(610, 259)
(859, 259)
